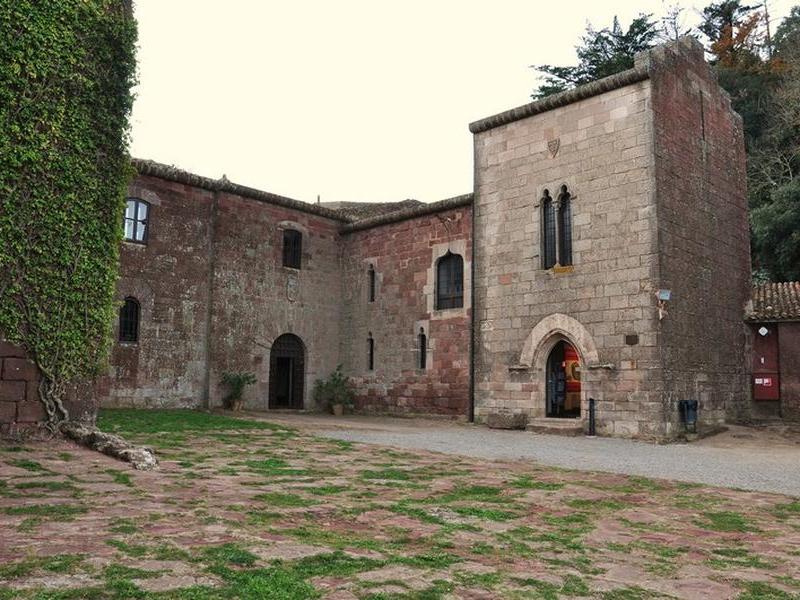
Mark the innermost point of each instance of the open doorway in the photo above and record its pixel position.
(563, 392)
(286, 372)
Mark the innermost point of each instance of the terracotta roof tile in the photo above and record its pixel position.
(775, 302)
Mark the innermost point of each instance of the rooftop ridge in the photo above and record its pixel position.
(409, 213)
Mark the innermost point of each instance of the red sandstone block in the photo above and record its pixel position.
(19, 369)
(7, 349)
(30, 412)
(12, 391)
(8, 412)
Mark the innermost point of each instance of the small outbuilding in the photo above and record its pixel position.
(773, 315)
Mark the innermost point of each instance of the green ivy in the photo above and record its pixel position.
(66, 72)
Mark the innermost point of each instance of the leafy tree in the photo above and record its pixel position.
(66, 70)
(600, 54)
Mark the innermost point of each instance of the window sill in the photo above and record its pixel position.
(558, 269)
(128, 344)
(134, 243)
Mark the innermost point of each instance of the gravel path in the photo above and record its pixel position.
(766, 470)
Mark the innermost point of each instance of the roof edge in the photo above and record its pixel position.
(155, 169)
(409, 213)
(594, 88)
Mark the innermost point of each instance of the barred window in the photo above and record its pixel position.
(129, 320)
(292, 248)
(450, 282)
(423, 348)
(370, 352)
(135, 223)
(564, 228)
(548, 231)
(371, 275)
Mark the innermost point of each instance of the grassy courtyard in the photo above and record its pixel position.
(248, 509)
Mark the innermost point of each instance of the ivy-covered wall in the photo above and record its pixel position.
(66, 71)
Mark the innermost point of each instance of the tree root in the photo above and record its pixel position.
(140, 457)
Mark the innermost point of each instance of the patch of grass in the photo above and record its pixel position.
(15, 449)
(125, 526)
(632, 593)
(65, 456)
(334, 564)
(486, 514)
(51, 486)
(273, 467)
(583, 503)
(526, 482)
(134, 421)
(120, 477)
(230, 554)
(725, 521)
(53, 512)
(429, 560)
(482, 548)
(169, 552)
(758, 590)
(473, 493)
(390, 474)
(282, 500)
(135, 550)
(328, 490)
(58, 563)
(335, 539)
(486, 581)
(274, 583)
(784, 511)
(731, 558)
(28, 465)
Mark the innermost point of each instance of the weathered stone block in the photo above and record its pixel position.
(505, 420)
(30, 412)
(12, 391)
(19, 369)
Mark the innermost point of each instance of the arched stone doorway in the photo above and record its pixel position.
(286, 372)
(556, 340)
(563, 382)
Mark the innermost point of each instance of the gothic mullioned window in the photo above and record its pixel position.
(129, 320)
(450, 282)
(292, 248)
(564, 227)
(548, 231)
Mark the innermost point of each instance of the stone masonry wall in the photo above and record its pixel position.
(404, 255)
(789, 353)
(257, 299)
(19, 390)
(703, 236)
(168, 276)
(604, 156)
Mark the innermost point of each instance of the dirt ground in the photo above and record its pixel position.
(251, 509)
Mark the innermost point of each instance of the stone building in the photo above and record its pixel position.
(603, 254)
(774, 319)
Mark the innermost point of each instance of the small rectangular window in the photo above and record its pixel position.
(370, 353)
(371, 283)
(292, 248)
(129, 320)
(423, 349)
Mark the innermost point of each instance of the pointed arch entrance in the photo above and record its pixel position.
(286, 372)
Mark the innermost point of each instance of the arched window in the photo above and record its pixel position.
(136, 215)
(129, 320)
(564, 228)
(450, 282)
(292, 248)
(370, 352)
(371, 283)
(423, 348)
(548, 231)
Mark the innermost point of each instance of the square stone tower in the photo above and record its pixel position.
(612, 252)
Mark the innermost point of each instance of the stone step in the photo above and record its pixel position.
(556, 426)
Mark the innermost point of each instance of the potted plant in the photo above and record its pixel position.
(335, 392)
(236, 382)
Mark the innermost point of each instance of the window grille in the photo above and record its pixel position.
(292, 248)
(548, 231)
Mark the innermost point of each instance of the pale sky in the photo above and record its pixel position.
(352, 100)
